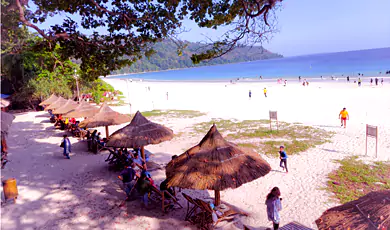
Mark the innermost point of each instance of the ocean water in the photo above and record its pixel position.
(367, 62)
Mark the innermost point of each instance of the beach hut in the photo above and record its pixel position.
(56, 104)
(68, 106)
(371, 211)
(49, 101)
(84, 109)
(105, 117)
(6, 121)
(139, 133)
(215, 164)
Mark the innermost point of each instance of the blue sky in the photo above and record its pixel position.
(319, 26)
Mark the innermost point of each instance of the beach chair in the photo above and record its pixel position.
(191, 210)
(204, 218)
(162, 196)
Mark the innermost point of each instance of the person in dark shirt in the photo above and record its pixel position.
(283, 158)
(164, 186)
(128, 175)
(144, 186)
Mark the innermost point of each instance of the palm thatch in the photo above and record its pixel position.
(4, 103)
(58, 103)
(6, 121)
(84, 109)
(215, 164)
(371, 211)
(49, 100)
(139, 133)
(105, 117)
(68, 106)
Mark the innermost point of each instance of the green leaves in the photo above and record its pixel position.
(135, 25)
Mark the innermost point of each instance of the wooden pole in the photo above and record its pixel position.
(217, 198)
(376, 143)
(366, 138)
(107, 132)
(143, 155)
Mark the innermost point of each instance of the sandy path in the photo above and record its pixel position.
(82, 193)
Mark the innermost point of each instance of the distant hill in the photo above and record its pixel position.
(166, 57)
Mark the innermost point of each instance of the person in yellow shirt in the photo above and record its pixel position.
(344, 116)
(265, 92)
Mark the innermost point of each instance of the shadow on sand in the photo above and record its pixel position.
(80, 193)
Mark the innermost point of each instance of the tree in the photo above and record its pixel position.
(135, 25)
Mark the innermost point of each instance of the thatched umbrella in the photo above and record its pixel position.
(58, 103)
(371, 211)
(84, 109)
(50, 100)
(68, 106)
(215, 164)
(139, 133)
(6, 121)
(105, 117)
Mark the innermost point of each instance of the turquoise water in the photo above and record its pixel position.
(367, 62)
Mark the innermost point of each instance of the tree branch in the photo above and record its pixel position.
(29, 24)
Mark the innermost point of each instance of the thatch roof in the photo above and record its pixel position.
(6, 121)
(49, 100)
(215, 164)
(371, 211)
(58, 103)
(84, 109)
(68, 106)
(140, 132)
(4, 103)
(105, 117)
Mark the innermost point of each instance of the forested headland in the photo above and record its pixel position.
(167, 56)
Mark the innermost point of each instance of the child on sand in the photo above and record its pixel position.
(283, 158)
(265, 92)
(250, 94)
(344, 116)
(274, 206)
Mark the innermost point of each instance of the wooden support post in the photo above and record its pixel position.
(107, 134)
(217, 198)
(366, 138)
(376, 144)
(163, 201)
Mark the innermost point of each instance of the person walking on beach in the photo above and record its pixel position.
(376, 81)
(265, 92)
(66, 145)
(348, 79)
(382, 81)
(344, 116)
(359, 82)
(274, 206)
(371, 81)
(283, 158)
(250, 94)
(299, 78)
(167, 96)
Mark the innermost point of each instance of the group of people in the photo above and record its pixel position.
(137, 181)
(376, 81)
(94, 140)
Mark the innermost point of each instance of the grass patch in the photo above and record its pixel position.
(173, 113)
(354, 178)
(295, 137)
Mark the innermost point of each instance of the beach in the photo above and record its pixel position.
(81, 193)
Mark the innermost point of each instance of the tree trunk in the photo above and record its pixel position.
(217, 198)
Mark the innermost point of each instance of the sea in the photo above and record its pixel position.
(373, 62)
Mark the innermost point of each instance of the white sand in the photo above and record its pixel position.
(81, 193)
